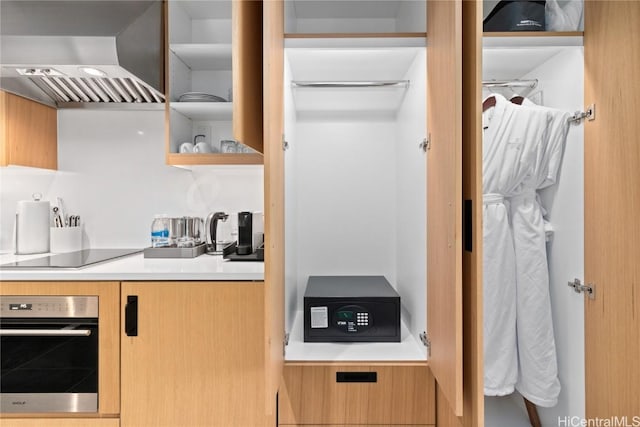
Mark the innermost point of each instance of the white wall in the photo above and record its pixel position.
(561, 80)
(291, 203)
(112, 173)
(346, 214)
(411, 199)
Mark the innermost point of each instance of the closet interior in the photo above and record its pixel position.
(355, 175)
(355, 181)
(549, 71)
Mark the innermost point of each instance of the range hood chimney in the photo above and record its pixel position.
(83, 53)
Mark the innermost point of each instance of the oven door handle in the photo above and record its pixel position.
(45, 332)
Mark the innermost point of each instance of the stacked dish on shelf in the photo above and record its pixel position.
(200, 97)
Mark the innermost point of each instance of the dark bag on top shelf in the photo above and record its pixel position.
(518, 15)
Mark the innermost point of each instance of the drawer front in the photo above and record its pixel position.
(345, 395)
(60, 422)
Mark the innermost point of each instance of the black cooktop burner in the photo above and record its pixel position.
(72, 259)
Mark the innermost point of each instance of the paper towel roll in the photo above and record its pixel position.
(32, 226)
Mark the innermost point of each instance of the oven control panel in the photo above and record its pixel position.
(49, 306)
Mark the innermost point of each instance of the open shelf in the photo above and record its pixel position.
(204, 56)
(204, 111)
(409, 349)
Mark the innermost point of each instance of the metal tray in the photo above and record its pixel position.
(175, 252)
(231, 254)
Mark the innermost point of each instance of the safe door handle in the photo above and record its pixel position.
(131, 316)
(45, 332)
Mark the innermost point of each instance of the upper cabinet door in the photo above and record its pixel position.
(444, 197)
(28, 133)
(611, 204)
(247, 72)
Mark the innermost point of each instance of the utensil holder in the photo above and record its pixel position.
(66, 239)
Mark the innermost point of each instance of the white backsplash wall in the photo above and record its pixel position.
(112, 173)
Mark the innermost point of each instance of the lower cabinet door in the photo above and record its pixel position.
(192, 354)
(347, 394)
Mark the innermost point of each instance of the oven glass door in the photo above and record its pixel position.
(49, 365)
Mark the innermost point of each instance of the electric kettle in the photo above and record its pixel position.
(32, 226)
(214, 233)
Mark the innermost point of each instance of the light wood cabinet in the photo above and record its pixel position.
(108, 343)
(214, 48)
(357, 394)
(28, 133)
(198, 357)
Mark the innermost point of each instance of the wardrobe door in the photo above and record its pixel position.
(612, 203)
(444, 197)
(274, 196)
(472, 294)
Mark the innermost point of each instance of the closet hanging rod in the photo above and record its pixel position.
(510, 83)
(350, 84)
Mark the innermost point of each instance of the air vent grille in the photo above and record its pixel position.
(87, 89)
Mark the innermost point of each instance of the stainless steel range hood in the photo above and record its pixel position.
(83, 53)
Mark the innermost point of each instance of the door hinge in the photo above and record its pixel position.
(589, 114)
(425, 144)
(285, 343)
(426, 342)
(285, 144)
(589, 288)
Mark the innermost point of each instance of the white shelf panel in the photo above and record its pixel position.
(203, 56)
(531, 42)
(204, 111)
(354, 42)
(409, 349)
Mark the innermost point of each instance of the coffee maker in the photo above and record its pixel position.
(250, 232)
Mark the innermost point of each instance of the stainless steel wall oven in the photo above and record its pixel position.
(49, 353)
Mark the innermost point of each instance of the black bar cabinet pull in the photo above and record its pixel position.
(356, 377)
(467, 225)
(131, 316)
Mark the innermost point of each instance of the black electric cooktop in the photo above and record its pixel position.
(75, 259)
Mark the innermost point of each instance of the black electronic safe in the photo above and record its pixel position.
(351, 309)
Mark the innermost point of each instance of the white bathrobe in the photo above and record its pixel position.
(538, 373)
(512, 138)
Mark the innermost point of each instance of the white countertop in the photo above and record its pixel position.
(136, 267)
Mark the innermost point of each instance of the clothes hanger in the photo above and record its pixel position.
(488, 103)
(515, 98)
